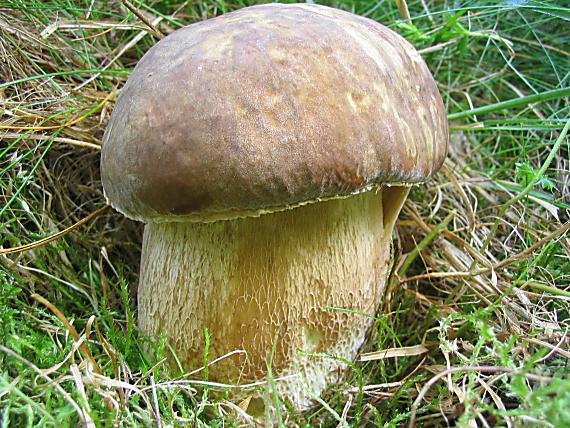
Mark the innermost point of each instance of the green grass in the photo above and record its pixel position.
(483, 277)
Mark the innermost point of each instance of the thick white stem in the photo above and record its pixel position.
(275, 279)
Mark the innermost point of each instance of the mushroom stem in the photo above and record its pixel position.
(275, 278)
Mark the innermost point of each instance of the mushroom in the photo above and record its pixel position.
(269, 152)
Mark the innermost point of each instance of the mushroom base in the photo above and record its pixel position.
(272, 287)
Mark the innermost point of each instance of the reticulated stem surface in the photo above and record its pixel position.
(253, 282)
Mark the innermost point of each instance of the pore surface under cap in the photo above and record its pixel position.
(270, 107)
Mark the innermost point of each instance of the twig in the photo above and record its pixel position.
(554, 348)
(63, 140)
(157, 33)
(36, 244)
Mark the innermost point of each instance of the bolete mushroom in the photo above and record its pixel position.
(269, 152)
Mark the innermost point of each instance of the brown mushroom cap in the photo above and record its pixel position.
(268, 108)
